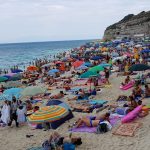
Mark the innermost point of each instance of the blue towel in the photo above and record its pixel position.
(98, 101)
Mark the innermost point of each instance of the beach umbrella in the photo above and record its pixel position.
(77, 63)
(139, 67)
(46, 65)
(3, 79)
(88, 64)
(82, 67)
(32, 68)
(12, 92)
(96, 58)
(57, 102)
(89, 74)
(48, 114)
(33, 90)
(16, 71)
(105, 65)
(145, 51)
(52, 71)
(96, 69)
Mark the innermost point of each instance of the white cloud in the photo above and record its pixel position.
(31, 20)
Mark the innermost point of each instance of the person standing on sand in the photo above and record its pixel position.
(106, 75)
(13, 115)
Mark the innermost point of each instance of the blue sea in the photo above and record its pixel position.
(22, 53)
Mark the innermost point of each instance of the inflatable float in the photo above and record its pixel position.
(127, 86)
(131, 115)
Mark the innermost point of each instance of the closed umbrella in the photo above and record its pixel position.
(139, 67)
(33, 90)
(48, 114)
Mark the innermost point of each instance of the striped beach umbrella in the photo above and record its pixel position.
(48, 114)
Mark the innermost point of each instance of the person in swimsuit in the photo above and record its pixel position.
(92, 121)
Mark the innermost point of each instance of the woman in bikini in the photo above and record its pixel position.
(92, 121)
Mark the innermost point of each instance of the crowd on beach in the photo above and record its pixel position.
(92, 64)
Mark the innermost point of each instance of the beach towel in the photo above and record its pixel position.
(35, 148)
(127, 129)
(113, 121)
(98, 102)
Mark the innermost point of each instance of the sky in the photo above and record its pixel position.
(55, 20)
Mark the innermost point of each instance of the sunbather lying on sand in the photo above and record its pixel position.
(92, 121)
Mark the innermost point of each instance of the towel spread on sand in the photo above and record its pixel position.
(113, 120)
(127, 129)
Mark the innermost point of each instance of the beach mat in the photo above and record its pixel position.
(98, 101)
(127, 129)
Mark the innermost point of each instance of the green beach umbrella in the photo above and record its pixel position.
(96, 69)
(2, 79)
(139, 67)
(89, 74)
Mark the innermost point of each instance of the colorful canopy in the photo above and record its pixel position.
(48, 114)
(32, 68)
(33, 90)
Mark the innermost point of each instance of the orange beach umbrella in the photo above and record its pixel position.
(32, 68)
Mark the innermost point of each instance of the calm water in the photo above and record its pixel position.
(22, 53)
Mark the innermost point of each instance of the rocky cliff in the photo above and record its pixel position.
(130, 26)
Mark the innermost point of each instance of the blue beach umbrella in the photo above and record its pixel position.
(12, 92)
(96, 58)
(16, 71)
(82, 67)
(145, 51)
(105, 65)
(88, 64)
(53, 71)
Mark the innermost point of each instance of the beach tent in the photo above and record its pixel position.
(54, 114)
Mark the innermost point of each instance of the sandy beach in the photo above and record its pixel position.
(15, 138)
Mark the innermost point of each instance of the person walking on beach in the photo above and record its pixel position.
(106, 75)
(13, 115)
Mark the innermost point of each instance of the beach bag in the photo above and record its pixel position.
(101, 128)
(46, 145)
